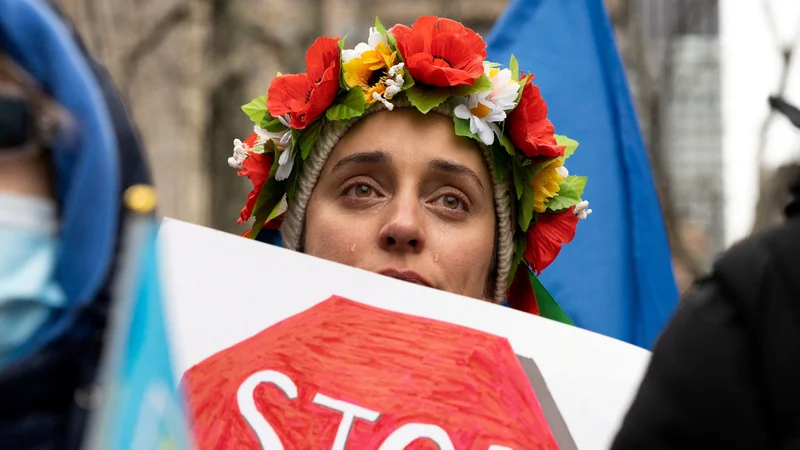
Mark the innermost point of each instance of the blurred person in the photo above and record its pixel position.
(725, 372)
(67, 154)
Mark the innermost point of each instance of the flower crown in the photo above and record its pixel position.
(435, 61)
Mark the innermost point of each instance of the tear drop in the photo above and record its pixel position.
(435, 257)
(353, 248)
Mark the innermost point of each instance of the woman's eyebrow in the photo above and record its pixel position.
(440, 165)
(376, 156)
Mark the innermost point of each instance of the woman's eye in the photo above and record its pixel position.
(451, 202)
(362, 190)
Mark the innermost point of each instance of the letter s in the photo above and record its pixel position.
(247, 405)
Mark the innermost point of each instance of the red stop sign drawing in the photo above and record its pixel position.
(344, 375)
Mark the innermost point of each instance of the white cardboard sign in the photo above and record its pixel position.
(221, 289)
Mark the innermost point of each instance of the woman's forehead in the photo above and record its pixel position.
(409, 138)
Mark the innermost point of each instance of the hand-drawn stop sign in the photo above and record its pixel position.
(344, 375)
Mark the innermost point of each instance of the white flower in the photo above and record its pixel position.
(375, 38)
(582, 210)
(239, 154)
(485, 109)
(562, 171)
(283, 140)
(394, 84)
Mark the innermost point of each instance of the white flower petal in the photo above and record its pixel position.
(562, 171)
(462, 112)
(284, 168)
(475, 125)
(284, 119)
(485, 133)
(347, 55)
(234, 163)
(497, 131)
(375, 38)
(262, 133)
(284, 157)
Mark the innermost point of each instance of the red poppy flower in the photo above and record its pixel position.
(256, 167)
(547, 236)
(441, 52)
(307, 95)
(528, 126)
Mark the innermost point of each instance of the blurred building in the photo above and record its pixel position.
(671, 51)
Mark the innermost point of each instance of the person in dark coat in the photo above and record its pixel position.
(54, 313)
(726, 372)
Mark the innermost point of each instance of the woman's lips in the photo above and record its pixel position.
(406, 275)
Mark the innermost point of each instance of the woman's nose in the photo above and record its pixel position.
(403, 230)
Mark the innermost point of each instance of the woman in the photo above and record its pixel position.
(414, 157)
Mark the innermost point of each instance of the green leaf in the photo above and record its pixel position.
(272, 125)
(379, 26)
(501, 163)
(408, 82)
(275, 154)
(513, 66)
(256, 109)
(279, 74)
(519, 181)
(519, 251)
(525, 214)
(577, 183)
(482, 84)
(271, 194)
(426, 99)
(548, 307)
(507, 144)
(522, 84)
(462, 128)
(568, 194)
(342, 84)
(570, 145)
(309, 137)
(275, 210)
(390, 39)
(294, 177)
(541, 165)
(349, 106)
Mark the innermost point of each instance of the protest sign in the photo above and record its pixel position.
(229, 301)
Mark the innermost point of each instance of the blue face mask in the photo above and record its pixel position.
(29, 295)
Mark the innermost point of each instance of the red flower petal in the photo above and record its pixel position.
(305, 96)
(530, 130)
(287, 94)
(520, 295)
(256, 167)
(546, 237)
(251, 140)
(322, 55)
(320, 99)
(441, 52)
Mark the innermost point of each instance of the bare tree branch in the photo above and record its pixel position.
(151, 40)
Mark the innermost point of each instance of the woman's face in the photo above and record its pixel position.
(402, 195)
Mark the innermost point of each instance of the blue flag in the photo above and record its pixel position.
(142, 407)
(616, 277)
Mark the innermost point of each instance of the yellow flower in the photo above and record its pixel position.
(369, 69)
(546, 185)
